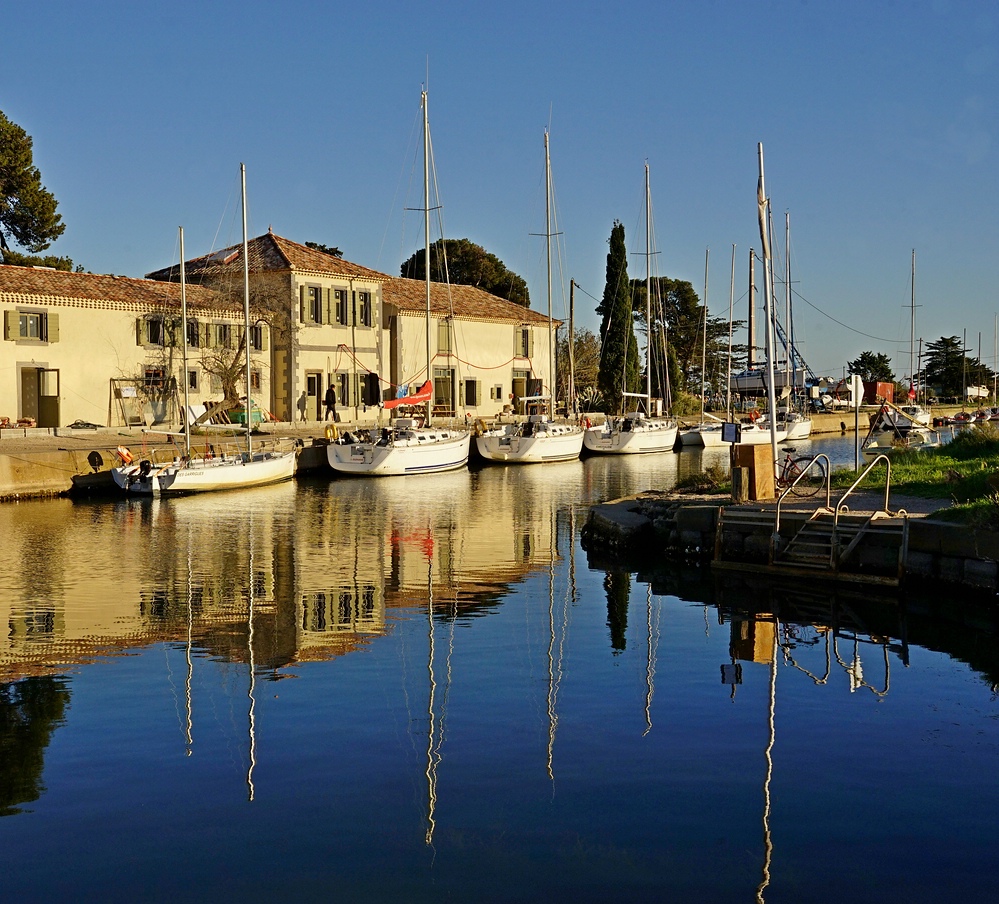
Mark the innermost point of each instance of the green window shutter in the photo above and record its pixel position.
(140, 331)
(205, 335)
(530, 343)
(328, 306)
(303, 305)
(263, 337)
(478, 394)
(11, 325)
(443, 330)
(52, 327)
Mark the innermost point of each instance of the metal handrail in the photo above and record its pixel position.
(841, 507)
(794, 483)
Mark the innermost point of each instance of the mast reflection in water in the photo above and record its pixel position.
(363, 690)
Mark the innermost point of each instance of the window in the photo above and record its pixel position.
(525, 342)
(472, 390)
(193, 334)
(31, 326)
(364, 308)
(223, 335)
(496, 393)
(342, 389)
(254, 381)
(315, 294)
(155, 331)
(192, 380)
(342, 308)
(257, 337)
(154, 378)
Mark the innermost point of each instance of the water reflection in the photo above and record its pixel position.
(470, 711)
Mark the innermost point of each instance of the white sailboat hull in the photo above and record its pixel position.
(419, 451)
(653, 435)
(757, 434)
(557, 443)
(707, 435)
(203, 476)
(798, 428)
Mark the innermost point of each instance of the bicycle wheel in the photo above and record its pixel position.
(813, 479)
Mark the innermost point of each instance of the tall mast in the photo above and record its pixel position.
(728, 372)
(704, 333)
(246, 309)
(426, 238)
(548, 245)
(570, 406)
(912, 317)
(763, 208)
(751, 325)
(648, 293)
(183, 320)
(791, 366)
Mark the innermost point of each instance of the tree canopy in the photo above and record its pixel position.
(948, 369)
(872, 367)
(463, 263)
(326, 249)
(586, 364)
(27, 210)
(619, 368)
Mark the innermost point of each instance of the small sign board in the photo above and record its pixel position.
(731, 433)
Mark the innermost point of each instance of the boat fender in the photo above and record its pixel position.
(332, 434)
(124, 455)
(480, 427)
(586, 423)
(754, 415)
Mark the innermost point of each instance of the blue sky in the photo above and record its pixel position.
(879, 123)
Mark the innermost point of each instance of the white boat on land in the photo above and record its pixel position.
(636, 432)
(537, 439)
(707, 435)
(407, 446)
(209, 473)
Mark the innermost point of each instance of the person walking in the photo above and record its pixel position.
(330, 403)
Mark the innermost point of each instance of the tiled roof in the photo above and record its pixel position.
(39, 284)
(268, 252)
(410, 296)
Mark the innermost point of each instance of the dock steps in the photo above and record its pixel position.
(853, 546)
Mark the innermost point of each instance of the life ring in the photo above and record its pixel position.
(124, 455)
(480, 427)
(332, 434)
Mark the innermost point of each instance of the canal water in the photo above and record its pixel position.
(424, 690)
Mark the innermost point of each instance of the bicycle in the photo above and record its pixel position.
(803, 476)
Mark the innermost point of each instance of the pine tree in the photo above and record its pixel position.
(27, 210)
(619, 368)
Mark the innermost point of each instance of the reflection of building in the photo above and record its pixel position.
(324, 568)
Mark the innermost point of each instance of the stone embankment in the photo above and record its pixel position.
(50, 462)
(860, 545)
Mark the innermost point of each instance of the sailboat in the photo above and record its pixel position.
(539, 438)
(189, 474)
(636, 431)
(407, 446)
(708, 432)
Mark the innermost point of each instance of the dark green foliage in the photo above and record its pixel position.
(326, 249)
(619, 368)
(27, 211)
(16, 259)
(947, 368)
(462, 262)
(872, 367)
(586, 347)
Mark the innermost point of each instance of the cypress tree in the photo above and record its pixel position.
(619, 350)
